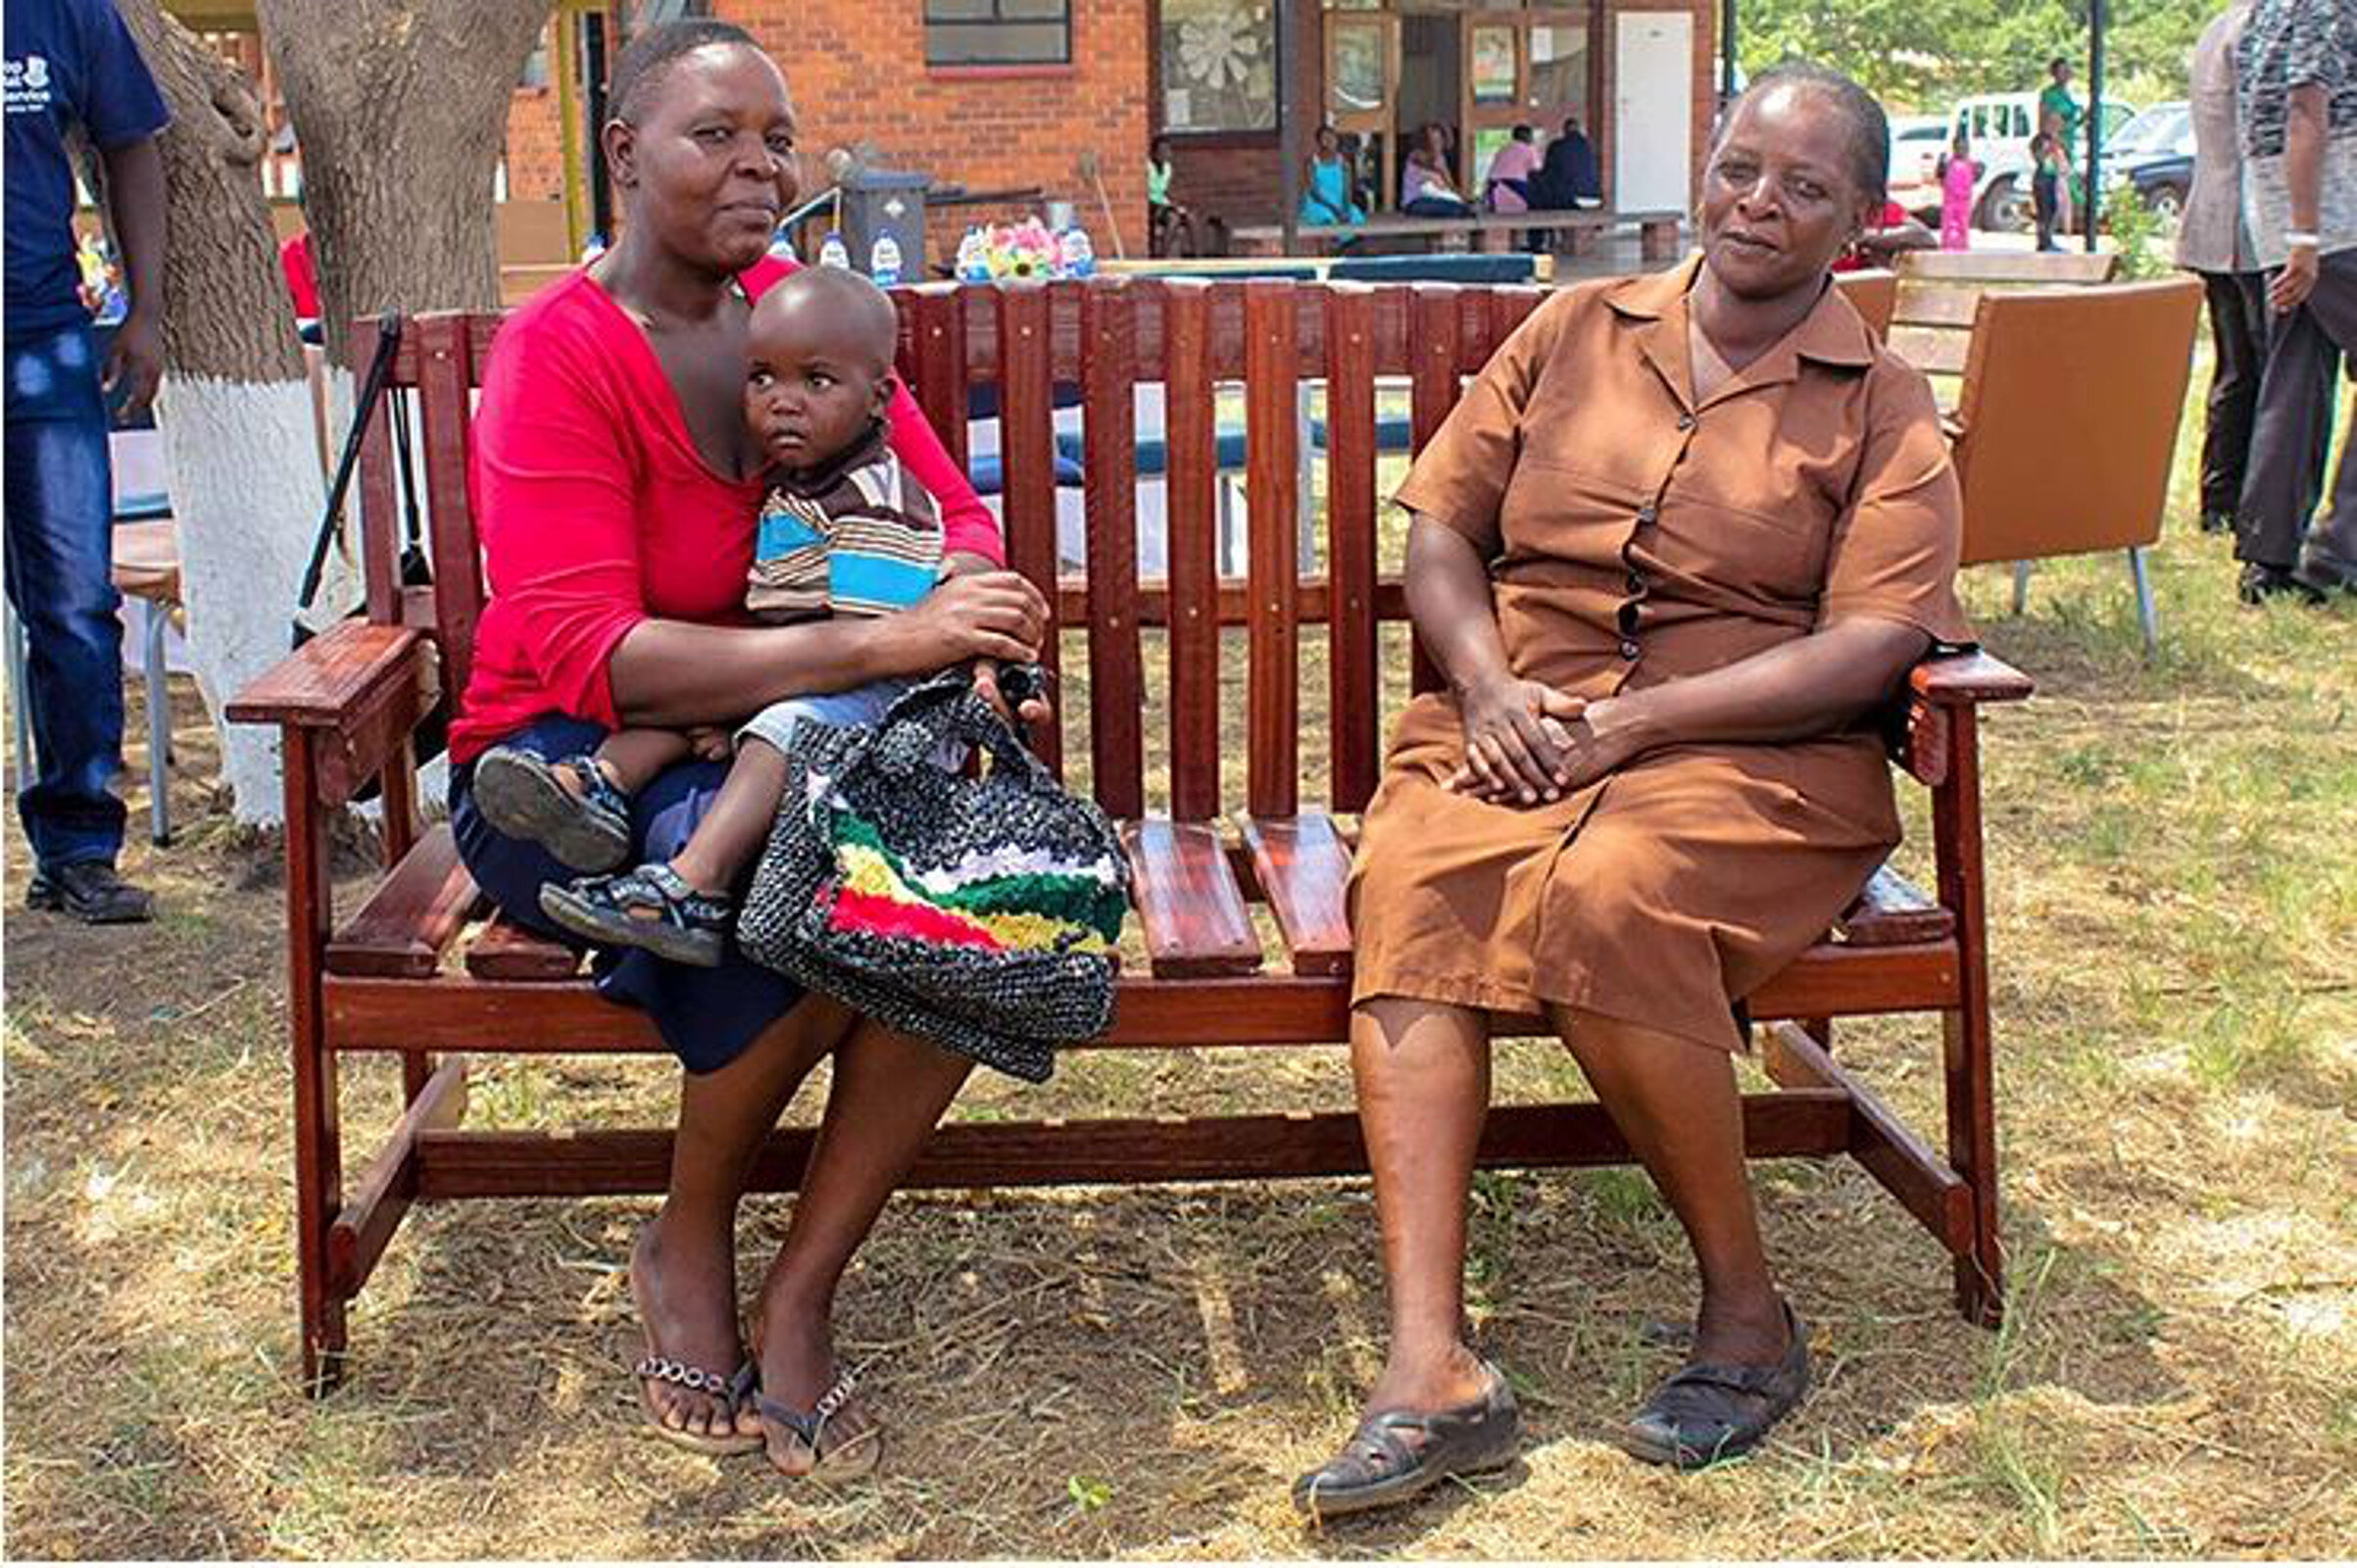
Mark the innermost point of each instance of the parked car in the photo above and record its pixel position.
(1916, 143)
(2161, 184)
(2162, 131)
(2001, 126)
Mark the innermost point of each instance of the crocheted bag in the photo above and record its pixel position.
(979, 914)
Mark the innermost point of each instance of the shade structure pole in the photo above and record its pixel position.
(2095, 18)
(1726, 65)
(1288, 121)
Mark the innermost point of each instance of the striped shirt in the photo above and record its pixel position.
(857, 536)
(2288, 44)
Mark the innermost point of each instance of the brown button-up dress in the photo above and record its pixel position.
(1637, 537)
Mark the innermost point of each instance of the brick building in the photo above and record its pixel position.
(997, 95)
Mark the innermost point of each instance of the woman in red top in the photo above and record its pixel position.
(617, 488)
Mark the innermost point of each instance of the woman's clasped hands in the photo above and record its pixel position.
(1527, 743)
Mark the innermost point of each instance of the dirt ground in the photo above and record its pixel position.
(1140, 1374)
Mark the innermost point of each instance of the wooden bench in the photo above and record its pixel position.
(1572, 230)
(2064, 391)
(407, 971)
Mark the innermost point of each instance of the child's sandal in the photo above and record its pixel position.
(651, 907)
(520, 794)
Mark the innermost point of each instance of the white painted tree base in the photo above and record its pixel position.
(246, 492)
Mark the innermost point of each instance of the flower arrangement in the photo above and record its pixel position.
(1025, 250)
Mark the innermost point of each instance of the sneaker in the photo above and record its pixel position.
(2324, 575)
(92, 893)
(2261, 582)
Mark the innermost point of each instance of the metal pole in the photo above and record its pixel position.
(569, 128)
(2094, 118)
(1289, 122)
(1727, 66)
(594, 68)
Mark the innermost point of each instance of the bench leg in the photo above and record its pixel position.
(1968, 1052)
(318, 1143)
(2148, 618)
(1657, 241)
(158, 726)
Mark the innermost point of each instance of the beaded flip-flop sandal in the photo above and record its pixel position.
(731, 1392)
(853, 1457)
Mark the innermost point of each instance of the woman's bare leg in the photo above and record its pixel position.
(683, 1264)
(1675, 1100)
(1423, 1077)
(889, 1091)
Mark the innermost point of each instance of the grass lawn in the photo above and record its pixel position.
(1101, 1373)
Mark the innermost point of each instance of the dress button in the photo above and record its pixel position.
(1645, 514)
(1628, 648)
(1637, 582)
(1686, 421)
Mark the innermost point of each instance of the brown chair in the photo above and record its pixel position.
(1931, 324)
(418, 968)
(2066, 425)
(1874, 292)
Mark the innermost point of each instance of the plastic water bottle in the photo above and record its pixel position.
(832, 252)
(781, 246)
(884, 261)
(1080, 256)
(594, 249)
(974, 257)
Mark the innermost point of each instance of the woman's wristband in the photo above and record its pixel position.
(2300, 239)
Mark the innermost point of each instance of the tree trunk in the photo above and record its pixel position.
(235, 408)
(401, 109)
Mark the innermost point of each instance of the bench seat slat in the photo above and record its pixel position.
(410, 917)
(506, 951)
(1188, 901)
(1303, 867)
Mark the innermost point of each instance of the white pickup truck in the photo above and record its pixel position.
(1999, 126)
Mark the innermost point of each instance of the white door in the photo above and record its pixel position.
(1652, 109)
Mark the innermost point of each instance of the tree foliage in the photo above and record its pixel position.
(1920, 55)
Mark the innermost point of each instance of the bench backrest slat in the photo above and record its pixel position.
(1193, 467)
(1434, 389)
(1027, 448)
(446, 375)
(935, 328)
(1272, 478)
(1350, 556)
(1109, 377)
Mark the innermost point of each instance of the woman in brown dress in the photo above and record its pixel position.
(1682, 535)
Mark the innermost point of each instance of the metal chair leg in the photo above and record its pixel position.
(2021, 588)
(20, 700)
(158, 725)
(2147, 615)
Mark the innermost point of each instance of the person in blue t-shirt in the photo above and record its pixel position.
(70, 64)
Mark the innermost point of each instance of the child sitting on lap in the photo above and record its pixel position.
(844, 530)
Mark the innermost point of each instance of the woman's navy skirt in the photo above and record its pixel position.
(706, 1016)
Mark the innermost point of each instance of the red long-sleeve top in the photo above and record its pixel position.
(596, 511)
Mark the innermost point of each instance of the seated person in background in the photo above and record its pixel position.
(844, 530)
(1507, 188)
(1169, 227)
(1895, 230)
(1425, 190)
(1567, 177)
(1326, 193)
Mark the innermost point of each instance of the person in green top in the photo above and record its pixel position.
(2059, 115)
(1171, 227)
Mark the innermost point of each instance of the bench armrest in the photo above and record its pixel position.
(1957, 680)
(332, 678)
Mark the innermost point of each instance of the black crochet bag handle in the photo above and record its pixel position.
(940, 710)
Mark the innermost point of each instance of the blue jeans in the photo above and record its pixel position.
(60, 526)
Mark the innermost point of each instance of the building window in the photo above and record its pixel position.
(1219, 65)
(997, 32)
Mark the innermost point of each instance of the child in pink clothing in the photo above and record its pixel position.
(1958, 175)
